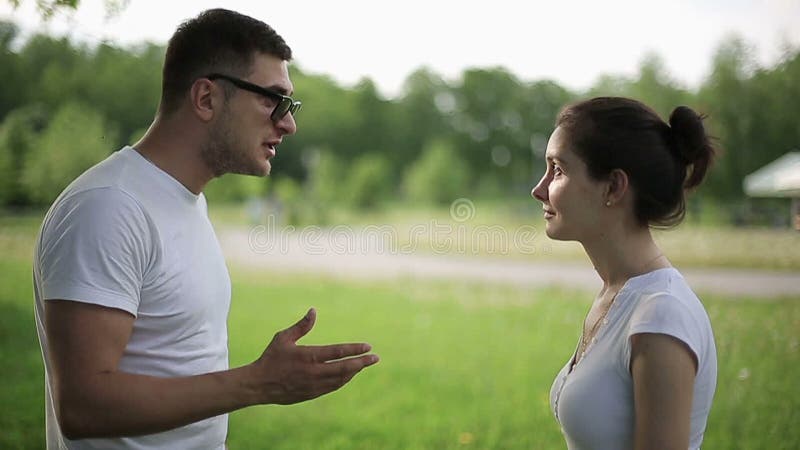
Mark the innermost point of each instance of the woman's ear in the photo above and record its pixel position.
(617, 187)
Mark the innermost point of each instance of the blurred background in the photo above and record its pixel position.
(420, 130)
(432, 113)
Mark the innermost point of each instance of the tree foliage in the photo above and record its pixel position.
(484, 132)
(19, 136)
(75, 139)
(438, 176)
(47, 8)
(366, 185)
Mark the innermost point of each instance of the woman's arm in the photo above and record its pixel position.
(663, 370)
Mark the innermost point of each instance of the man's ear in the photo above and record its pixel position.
(205, 99)
(617, 187)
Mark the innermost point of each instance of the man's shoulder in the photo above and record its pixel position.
(102, 200)
(94, 215)
(97, 201)
(104, 186)
(110, 172)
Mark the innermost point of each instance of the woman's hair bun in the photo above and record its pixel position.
(691, 144)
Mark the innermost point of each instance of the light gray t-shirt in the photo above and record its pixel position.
(127, 235)
(594, 402)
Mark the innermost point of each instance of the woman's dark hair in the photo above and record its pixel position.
(661, 160)
(217, 40)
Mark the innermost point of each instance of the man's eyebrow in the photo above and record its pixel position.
(279, 89)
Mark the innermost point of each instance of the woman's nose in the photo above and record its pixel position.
(539, 192)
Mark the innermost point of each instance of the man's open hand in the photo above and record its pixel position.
(289, 373)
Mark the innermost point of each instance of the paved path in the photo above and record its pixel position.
(292, 253)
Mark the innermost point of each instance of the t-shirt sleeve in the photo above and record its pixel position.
(665, 314)
(95, 248)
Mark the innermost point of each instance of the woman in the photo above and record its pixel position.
(644, 372)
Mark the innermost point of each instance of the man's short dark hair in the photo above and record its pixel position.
(218, 40)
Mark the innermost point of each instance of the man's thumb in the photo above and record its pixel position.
(302, 327)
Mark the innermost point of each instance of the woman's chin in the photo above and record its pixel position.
(553, 232)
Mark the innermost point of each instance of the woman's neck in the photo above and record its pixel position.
(620, 256)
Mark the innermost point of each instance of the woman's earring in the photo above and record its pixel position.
(608, 203)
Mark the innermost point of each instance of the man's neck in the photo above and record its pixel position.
(173, 148)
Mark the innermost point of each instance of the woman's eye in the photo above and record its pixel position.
(556, 170)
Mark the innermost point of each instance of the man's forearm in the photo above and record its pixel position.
(93, 401)
(122, 404)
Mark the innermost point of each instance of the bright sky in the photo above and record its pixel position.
(570, 41)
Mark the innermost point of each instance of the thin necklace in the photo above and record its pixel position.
(590, 336)
(597, 322)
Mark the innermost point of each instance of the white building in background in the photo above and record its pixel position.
(780, 178)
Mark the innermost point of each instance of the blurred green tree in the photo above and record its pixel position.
(49, 7)
(423, 113)
(656, 87)
(368, 183)
(233, 188)
(326, 178)
(727, 95)
(328, 120)
(488, 116)
(498, 123)
(19, 135)
(13, 95)
(76, 138)
(608, 85)
(438, 176)
(290, 208)
(51, 69)
(540, 103)
(124, 84)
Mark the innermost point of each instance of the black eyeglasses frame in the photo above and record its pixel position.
(285, 103)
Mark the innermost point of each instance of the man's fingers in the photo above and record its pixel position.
(346, 368)
(324, 353)
(332, 376)
(301, 328)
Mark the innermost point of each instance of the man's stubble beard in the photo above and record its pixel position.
(224, 152)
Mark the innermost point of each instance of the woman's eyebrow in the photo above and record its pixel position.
(557, 159)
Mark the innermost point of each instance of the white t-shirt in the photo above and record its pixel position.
(127, 235)
(594, 402)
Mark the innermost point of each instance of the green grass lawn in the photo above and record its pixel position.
(470, 366)
(463, 365)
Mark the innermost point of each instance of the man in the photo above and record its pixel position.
(131, 288)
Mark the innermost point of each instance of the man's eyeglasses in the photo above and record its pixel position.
(285, 103)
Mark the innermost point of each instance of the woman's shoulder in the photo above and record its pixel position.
(663, 285)
(665, 303)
